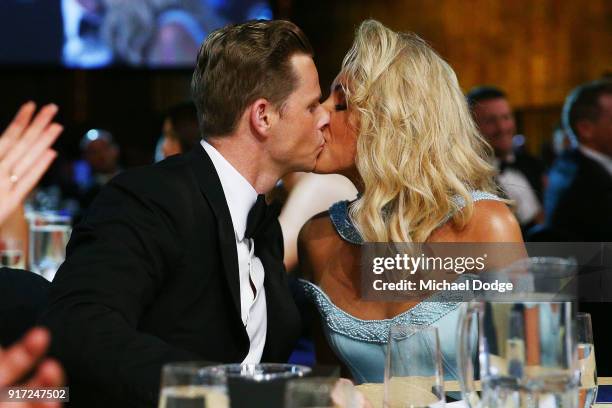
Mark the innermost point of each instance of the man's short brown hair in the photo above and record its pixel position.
(583, 104)
(241, 63)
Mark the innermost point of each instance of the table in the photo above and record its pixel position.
(374, 392)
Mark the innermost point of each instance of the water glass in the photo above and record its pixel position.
(526, 342)
(413, 368)
(49, 235)
(11, 253)
(192, 385)
(586, 361)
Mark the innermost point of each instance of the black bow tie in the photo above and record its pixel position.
(504, 165)
(260, 216)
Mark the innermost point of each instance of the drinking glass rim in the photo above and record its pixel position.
(49, 216)
(246, 371)
(191, 367)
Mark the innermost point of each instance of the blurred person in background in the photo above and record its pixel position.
(84, 46)
(578, 199)
(307, 194)
(157, 32)
(519, 174)
(181, 132)
(99, 164)
(25, 154)
(559, 143)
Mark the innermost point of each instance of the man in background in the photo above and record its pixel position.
(519, 174)
(578, 199)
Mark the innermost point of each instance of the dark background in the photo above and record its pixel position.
(536, 50)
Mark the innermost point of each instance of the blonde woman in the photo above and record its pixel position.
(400, 129)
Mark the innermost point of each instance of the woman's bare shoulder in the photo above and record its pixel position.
(491, 221)
(317, 232)
(316, 242)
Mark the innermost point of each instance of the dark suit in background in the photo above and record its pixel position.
(578, 199)
(578, 204)
(151, 277)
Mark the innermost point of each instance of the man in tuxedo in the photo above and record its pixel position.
(519, 174)
(183, 260)
(578, 199)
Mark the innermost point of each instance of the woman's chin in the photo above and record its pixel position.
(325, 168)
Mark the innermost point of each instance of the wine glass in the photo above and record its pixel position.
(191, 384)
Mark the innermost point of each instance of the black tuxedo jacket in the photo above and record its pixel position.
(151, 277)
(578, 203)
(578, 199)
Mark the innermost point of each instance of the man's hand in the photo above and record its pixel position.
(20, 359)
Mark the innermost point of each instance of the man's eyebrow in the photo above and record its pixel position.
(317, 99)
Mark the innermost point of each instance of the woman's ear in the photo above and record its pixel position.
(263, 115)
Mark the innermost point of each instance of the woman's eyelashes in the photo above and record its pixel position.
(340, 99)
(340, 107)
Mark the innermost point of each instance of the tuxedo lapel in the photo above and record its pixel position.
(211, 188)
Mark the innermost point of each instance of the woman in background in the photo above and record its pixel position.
(400, 130)
(180, 129)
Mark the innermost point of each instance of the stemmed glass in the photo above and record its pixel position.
(413, 369)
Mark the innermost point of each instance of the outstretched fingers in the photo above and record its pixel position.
(15, 129)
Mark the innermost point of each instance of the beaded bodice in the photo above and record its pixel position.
(359, 343)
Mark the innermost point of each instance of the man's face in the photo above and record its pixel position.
(102, 156)
(297, 137)
(598, 134)
(495, 120)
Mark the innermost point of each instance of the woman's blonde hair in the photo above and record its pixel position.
(418, 146)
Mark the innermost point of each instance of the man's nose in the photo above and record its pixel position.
(324, 120)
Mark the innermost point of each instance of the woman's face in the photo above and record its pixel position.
(338, 154)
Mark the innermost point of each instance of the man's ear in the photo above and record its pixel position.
(585, 130)
(263, 115)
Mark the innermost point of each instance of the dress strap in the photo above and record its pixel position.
(339, 215)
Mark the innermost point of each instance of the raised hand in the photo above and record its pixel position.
(25, 154)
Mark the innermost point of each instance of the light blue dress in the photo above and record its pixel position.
(361, 344)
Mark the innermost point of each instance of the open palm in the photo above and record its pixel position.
(25, 154)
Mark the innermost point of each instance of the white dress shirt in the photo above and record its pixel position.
(517, 187)
(598, 157)
(240, 196)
